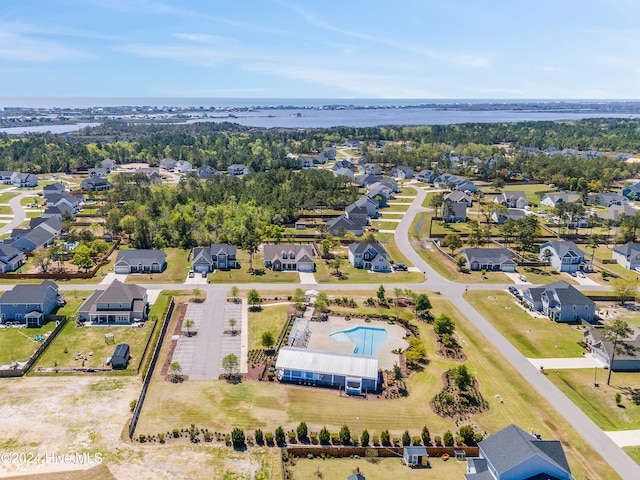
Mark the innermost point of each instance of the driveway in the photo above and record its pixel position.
(307, 278)
(582, 280)
(625, 438)
(588, 361)
(513, 276)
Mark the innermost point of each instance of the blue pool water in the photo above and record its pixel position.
(367, 340)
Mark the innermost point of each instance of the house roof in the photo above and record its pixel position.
(607, 346)
(562, 292)
(146, 257)
(512, 446)
(345, 172)
(562, 196)
(628, 249)
(614, 211)
(223, 249)
(39, 235)
(53, 187)
(57, 197)
(455, 209)
(119, 292)
(301, 253)
(415, 450)
(350, 225)
(511, 196)
(8, 251)
(202, 255)
(563, 247)
(319, 361)
(52, 223)
(488, 255)
(361, 247)
(33, 294)
(458, 196)
(96, 181)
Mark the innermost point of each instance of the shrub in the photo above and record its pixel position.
(335, 439)
(364, 438)
(142, 438)
(467, 433)
(176, 433)
(237, 438)
(448, 438)
(426, 436)
(302, 431)
(477, 437)
(268, 437)
(406, 439)
(291, 436)
(345, 435)
(208, 437)
(385, 439)
(437, 440)
(132, 404)
(416, 441)
(259, 437)
(280, 438)
(376, 441)
(618, 398)
(161, 437)
(314, 438)
(324, 436)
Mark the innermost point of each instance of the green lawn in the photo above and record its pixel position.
(5, 210)
(358, 275)
(599, 403)
(633, 452)
(529, 189)
(388, 241)
(221, 406)
(533, 337)
(34, 199)
(394, 207)
(270, 318)
(383, 469)
(91, 339)
(18, 344)
(6, 196)
(176, 271)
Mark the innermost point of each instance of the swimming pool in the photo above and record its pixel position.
(367, 339)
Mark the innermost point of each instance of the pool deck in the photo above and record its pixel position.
(320, 339)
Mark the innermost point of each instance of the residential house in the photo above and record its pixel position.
(329, 153)
(64, 198)
(458, 196)
(489, 259)
(445, 180)
(453, 212)
(569, 152)
(39, 237)
(357, 213)
(513, 454)
(183, 166)
(551, 151)
(632, 192)
(140, 261)
(29, 304)
(369, 256)
(615, 212)
(25, 180)
(345, 172)
(565, 256)
(289, 257)
(535, 151)
(426, 176)
(343, 164)
(465, 185)
(554, 199)
(11, 258)
(321, 158)
(402, 171)
(53, 225)
(206, 171)
(98, 172)
(238, 169)
(168, 164)
(623, 156)
(370, 205)
(352, 143)
(607, 199)
(342, 224)
(95, 184)
(6, 177)
(627, 255)
(512, 213)
(370, 169)
(53, 188)
(305, 161)
(218, 256)
(512, 199)
(381, 192)
(57, 211)
(117, 304)
(627, 361)
(108, 164)
(560, 302)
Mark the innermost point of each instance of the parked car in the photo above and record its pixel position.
(204, 274)
(400, 266)
(514, 290)
(192, 274)
(372, 229)
(522, 278)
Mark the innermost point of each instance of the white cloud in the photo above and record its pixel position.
(24, 49)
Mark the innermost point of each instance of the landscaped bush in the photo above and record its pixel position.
(259, 437)
(335, 439)
(448, 438)
(208, 437)
(291, 436)
(176, 433)
(161, 437)
(280, 437)
(302, 432)
(237, 438)
(426, 436)
(385, 438)
(437, 440)
(376, 441)
(324, 436)
(345, 435)
(268, 437)
(364, 438)
(314, 438)
(406, 439)
(416, 441)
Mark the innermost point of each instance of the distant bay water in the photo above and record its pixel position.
(317, 113)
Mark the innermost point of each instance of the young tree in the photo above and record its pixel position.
(259, 436)
(336, 263)
(616, 332)
(345, 435)
(508, 230)
(326, 248)
(302, 432)
(237, 438)
(42, 258)
(426, 436)
(364, 438)
(380, 294)
(461, 262)
(461, 377)
(235, 291)
(280, 438)
(298, 298)
(406, 438)
(230, 363)
(447, 439)
(436, 201)
(423, 305)
(594, 241)
(268, 340)
(625, 289)
(444, 326)
(397, 372)
(452, 242)
(254, 299)
(324, 436)
(188, 324)
(385, 438)
(547, 255)
(175, 371)
(233, 322)
(467, 434)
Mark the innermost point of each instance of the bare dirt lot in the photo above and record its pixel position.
(76, 415)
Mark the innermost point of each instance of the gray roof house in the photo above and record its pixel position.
(490, 259)
(205, 171)
(415, 456)
(118, 304)
(168, 164)
(565, 256)
(304, 161)
(11, 258)
(454, 211)
(183, 166)
(512, 199)
(370, 205)
(58, 199)
(98, 172)
(29, 303)
(614, 212)
(402, 171)
(554, 199)
(369, 256)
(289, 257)
(370, 169)
(342, 224)
(628, 361)
(343, 164)
(607, 199)
(513, 454)
(54, 225)
(345, 172)
(140, 261)
(53, 188)
(627, 255)
(95, 184)
(35, 238)
(426, 176)
(513, 213)
(238, 169)
(6, 177)
(560, 302)
(220, 256)
(24, 180)
(458, 196)
(108, 164)
(632, 192)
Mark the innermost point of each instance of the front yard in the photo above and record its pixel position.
(176, 271)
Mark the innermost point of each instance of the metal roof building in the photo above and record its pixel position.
(355, 373)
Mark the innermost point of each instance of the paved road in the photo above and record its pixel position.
(19, 214)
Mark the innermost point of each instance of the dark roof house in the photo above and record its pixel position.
(490, 259)
(140, 261)
(118, 304)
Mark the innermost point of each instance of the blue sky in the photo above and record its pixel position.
(325, 49)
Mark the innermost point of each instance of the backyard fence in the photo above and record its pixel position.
(19, 372)
(147, 377)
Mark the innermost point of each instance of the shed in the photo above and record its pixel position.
(120, 358)
(415, 456)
